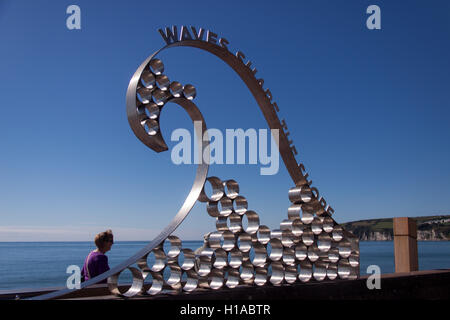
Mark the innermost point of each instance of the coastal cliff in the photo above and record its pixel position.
(432, 228)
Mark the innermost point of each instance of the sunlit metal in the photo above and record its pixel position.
(240, 251)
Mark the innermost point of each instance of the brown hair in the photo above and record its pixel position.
(102, 238)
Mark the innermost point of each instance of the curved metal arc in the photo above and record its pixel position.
(264, 103)
(157, 142)
(260, 96)
(200, 178)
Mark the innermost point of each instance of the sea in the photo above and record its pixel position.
(29, 265)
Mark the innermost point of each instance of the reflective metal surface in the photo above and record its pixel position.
(308, 245)
(154, 142)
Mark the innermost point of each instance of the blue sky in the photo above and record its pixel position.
(368, 111)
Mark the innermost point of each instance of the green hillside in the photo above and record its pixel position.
(428, 228)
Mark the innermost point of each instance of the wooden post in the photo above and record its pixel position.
(405, 245)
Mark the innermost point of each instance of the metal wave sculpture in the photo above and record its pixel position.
(309, 243)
